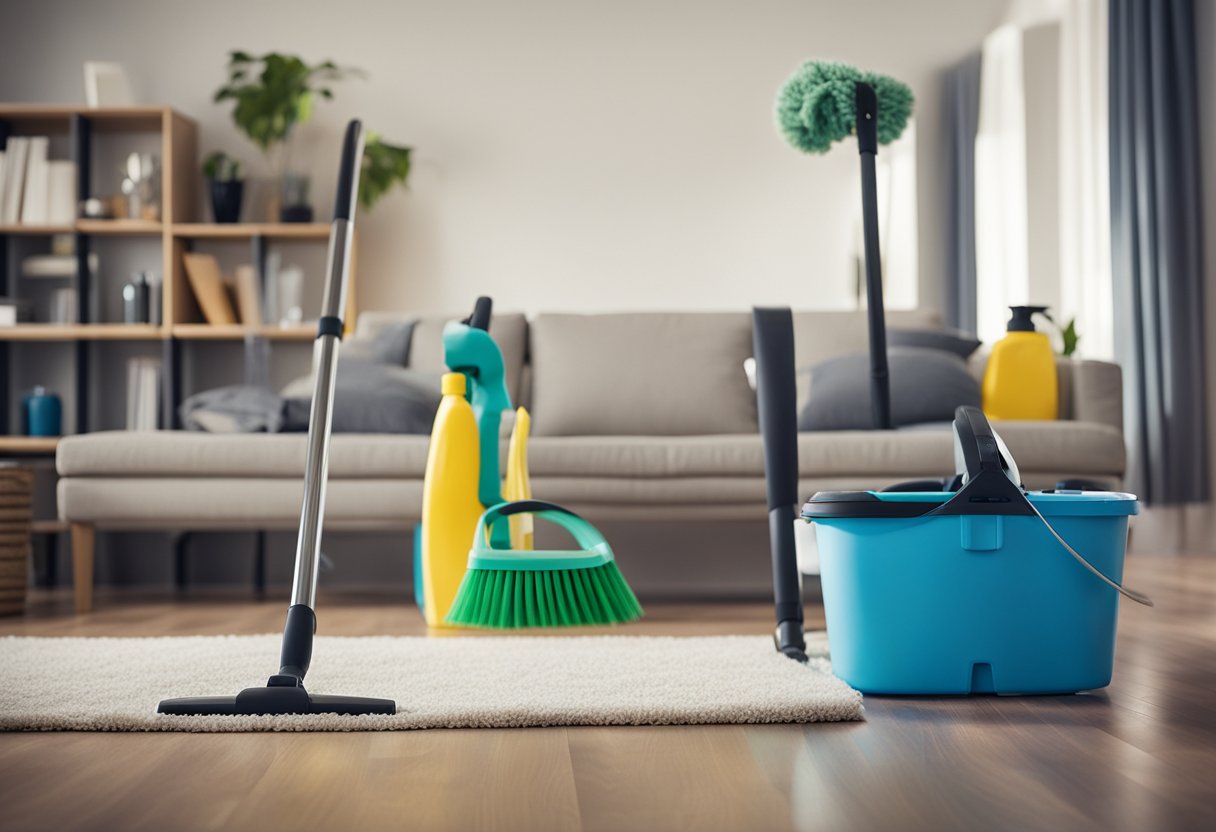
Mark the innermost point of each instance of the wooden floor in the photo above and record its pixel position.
(1140, 755)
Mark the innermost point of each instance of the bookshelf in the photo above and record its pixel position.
(177, 232)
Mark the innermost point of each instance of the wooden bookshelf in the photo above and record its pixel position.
(233, 332)
(35, 230)
(248, 230)
(120, 228)
(178, 231)
(28, 445)
(82, 332)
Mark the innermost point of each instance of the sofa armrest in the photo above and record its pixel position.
(1091, 391)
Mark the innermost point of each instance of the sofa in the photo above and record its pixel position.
(637, 417)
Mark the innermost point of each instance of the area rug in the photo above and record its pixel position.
(114, 684)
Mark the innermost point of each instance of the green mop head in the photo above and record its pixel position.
(512, 588)
(817, 105)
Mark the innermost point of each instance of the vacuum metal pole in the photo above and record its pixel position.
(867, 146)
(301, 620)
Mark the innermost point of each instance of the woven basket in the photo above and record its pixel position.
(16, 502)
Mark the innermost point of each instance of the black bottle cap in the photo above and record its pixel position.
(1022, 320)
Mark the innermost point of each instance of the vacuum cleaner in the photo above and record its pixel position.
(928, 587)
(284, 692)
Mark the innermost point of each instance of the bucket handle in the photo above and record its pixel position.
(990, 489)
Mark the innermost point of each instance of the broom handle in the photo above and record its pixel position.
(867, 147)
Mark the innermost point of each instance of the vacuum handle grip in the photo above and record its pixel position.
(348, 178)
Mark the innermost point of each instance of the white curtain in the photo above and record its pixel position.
(1002, 277)
(1085, 271)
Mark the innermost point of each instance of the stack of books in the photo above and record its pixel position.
(143, 394)
(35, 190)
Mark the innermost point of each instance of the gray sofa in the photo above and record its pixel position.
(636, 417)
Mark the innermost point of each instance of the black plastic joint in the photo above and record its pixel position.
(330, 325)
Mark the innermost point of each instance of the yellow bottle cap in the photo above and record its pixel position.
(453, 384)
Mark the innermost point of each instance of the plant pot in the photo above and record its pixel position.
(226, 200)
(293, 191)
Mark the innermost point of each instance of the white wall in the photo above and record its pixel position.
(569, 155)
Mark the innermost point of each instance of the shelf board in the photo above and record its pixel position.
(35, 230)
(119, 228)
(48, 526)
(81, 332)
(32, 118)
(235, 332)
(246, 230)
(28, 445)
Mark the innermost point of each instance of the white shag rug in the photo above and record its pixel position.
(114, 684)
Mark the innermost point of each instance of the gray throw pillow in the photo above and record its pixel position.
(369, 397)
(926, 386)
(390, 345)
(956, 341)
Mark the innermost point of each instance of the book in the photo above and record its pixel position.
(3, 161)
(143, 394)
(14, 180)
(270, 288)
(209, 287)
(61, 192)
(34, 197)
(248, 295)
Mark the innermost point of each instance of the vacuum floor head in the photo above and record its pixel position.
(275, 701)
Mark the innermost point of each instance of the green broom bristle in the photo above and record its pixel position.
(511, 599)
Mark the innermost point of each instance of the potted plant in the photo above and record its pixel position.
(272, 94)
(223, 175)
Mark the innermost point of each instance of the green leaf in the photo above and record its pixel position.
(384, 165)
(1070, 338)
(274, 92)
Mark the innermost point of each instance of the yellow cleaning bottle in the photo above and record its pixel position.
(516, 486)
(450, 508)
(1020, 381)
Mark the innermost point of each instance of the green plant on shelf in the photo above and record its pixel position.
(274, 93)
(220, 167)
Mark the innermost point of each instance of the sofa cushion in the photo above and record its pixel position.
(182, 453)
(641, 374)
(1067, 448)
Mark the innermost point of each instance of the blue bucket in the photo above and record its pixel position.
(970, 603)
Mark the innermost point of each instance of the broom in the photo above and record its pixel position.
(513, 588)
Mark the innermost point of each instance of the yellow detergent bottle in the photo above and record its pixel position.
(1020, 381)
(450, 508)
(517, 486)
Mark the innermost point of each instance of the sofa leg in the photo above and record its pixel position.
(83, 537)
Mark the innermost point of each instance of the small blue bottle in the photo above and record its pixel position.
(43, 413)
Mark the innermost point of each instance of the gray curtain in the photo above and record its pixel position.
(1156, 247)
(961, 110)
